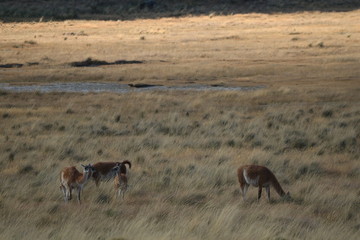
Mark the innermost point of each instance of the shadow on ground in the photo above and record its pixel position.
(89, 62)
(34, 10)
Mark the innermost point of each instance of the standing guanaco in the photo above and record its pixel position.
(258, 176)
(105, 171)
(71, 178)
(121, 182)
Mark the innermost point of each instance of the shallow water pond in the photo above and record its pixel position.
(88, 87)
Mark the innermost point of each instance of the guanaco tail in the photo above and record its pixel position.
(71, 178)
(106, 171)
(261, 177)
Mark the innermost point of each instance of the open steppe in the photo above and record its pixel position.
(185, 146)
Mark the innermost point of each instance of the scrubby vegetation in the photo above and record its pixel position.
(185, 149)
(129, 9)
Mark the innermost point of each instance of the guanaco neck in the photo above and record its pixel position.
(82, 178)
(277, 186)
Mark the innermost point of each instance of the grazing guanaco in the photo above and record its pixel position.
(105, 171)
(71, 178)
(258, 176)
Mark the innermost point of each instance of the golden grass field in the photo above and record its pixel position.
(185, 146)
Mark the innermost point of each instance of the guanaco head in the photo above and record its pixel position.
(120, 167)
(287, 196)
(88, 170)
(116, 169)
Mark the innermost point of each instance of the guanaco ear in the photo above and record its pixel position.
(288, 196)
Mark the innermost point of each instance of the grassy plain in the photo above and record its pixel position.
(185, 146)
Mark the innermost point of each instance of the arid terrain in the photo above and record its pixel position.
(185, 146)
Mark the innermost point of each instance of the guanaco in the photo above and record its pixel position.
(258, 176)
(71, 178)
(121, 184)
(105, 171)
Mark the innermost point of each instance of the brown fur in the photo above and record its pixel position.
(107, 170)
(71, 178)
(121, 184)
(102, 171)
(258, 176)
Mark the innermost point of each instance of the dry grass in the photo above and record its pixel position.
(186, 146)
(185, 149)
